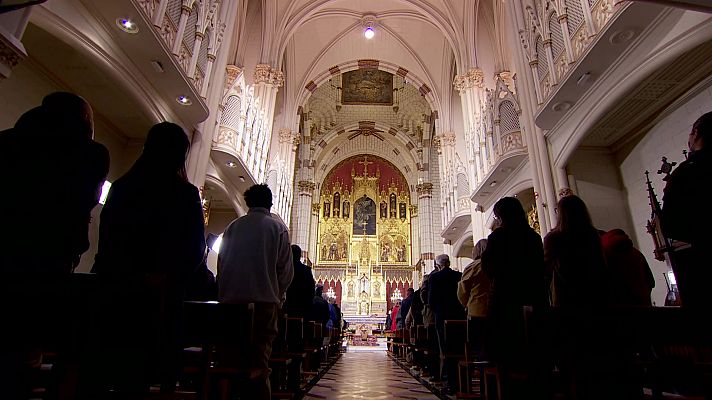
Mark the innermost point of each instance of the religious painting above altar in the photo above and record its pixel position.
(367, 86)
(364, 234)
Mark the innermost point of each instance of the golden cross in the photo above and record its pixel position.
(365, 163)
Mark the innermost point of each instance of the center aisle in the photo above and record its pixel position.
(368, 375)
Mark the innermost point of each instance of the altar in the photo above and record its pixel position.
(363, 252)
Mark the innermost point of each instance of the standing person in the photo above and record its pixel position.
(415, 314)
(442, 298)
(404, 309)
(34, 274)
(301, 291)
(686, 192)
(473, 293)
(574, 256)
(255, 266)
(319, 307)
(514, 264)
(428, 316)
(143, 276)
(632, 280)
(394, 316)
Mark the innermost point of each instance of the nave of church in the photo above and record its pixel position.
(388, 133)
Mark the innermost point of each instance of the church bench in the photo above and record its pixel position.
(663, 348)
(224, 333)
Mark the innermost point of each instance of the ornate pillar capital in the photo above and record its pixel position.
(231, 74)
(508, 78)
(448, 139)
(264, 73)
(474, 77)
(424, 189)
(285, 135)
(307, 187)
(315, 208)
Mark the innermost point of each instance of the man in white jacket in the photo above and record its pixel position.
(255, 266)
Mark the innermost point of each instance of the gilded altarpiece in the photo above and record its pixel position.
(364, 237)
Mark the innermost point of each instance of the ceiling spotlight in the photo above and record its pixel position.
(184, 100)
(231, 164)
(493, 184)
(241, 178)
(126, 25)
(369, 33)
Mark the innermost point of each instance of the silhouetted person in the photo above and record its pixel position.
(255, 266)
(404, 308)
(151, 241)
(50, 160)
(514, 264)
(301, 291)
(442, 298)
(473, 290)
(574, 256)
(320, 307)
(630, 279)
(414, 317)
(201, 284)
(686, 219)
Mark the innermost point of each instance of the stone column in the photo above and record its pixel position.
(303, 211)
(12, 27)
(425, 196)
(267, 82)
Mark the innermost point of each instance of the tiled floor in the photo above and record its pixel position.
(368, 375)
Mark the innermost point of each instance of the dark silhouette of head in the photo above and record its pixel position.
(573, 215)
(701, 131)
(296, 253)
(258, 196)
(69, 114)
(510, 213)
(409, 292)
(319, 290)
(164, 151)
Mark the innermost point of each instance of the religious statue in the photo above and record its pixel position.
(376, 288)
(401, 210)
(393, 205)
(344, 252)
(336, 211)
(384, 210)
(324, 252)
(364, 283)
(347, 209)
(385, 251)
(401, 253)
(327, 210)
(363, 303)
(350, 289)
(333, 251)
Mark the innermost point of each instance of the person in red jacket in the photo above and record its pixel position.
(632, 281)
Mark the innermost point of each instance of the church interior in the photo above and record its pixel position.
(387, 130)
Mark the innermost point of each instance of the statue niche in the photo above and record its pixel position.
(364, 216)
(347, 209)
(337, 202)
(384, 210)
(393, 205)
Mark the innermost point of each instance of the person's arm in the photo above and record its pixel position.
(463, 287)
(285, 266)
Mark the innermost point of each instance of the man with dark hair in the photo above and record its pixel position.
(301, 291)
(255, 266)
(685, 196)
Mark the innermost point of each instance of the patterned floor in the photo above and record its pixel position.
(368, 375)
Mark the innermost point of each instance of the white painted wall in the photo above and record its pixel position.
(667, 138)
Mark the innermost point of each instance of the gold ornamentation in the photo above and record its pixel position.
(475, 78)
(264, 73)
(231, 74)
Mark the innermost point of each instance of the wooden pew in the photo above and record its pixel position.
(224, 333)
(630, 347)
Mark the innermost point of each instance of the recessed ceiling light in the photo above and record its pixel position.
(563, 106)
(184, 100)
(231, 164)
(623, 36)
(369, 33)
(493, 184)
(126, 25)
(241, 178)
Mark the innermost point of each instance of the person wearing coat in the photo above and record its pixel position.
(473, 289)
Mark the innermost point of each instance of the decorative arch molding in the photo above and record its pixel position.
(308, 87)
(401, 152)
(325, 165)
(519, 187)
(461, 241)
(293, 19)
(212, 177)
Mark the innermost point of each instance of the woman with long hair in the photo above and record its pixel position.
(514, 264)
(151, 239)
(574, 257)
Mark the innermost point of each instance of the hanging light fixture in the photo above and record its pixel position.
(369, 33)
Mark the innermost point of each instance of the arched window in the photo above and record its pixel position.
(557, 38)
(575, 15)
